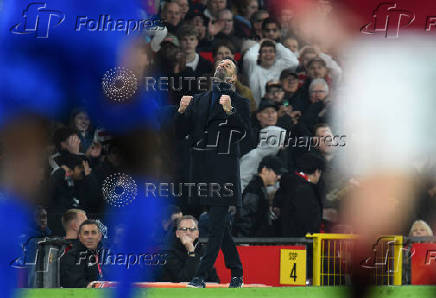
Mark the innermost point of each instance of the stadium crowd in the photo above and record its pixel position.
(290, 182)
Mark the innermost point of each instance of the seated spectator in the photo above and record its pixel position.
(265, 116)
(171, 63)
(292, 44)
(274, 92)
(290, 84)
(79, 266)
(256, 21)
(298, 200)
(213, 7)
(271, 29)
(71, 221)
(188, 37)
(317, 111)
(420, 228)
(196, 18)
(243, 26)
(171, 15)
(184, 7)
(227, 32)
(307, 53)
(255, 217)
(272, 59)
(184, 257)
(223, 50)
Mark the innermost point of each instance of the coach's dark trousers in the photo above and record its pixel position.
(220, 237)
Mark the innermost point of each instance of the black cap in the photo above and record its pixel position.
(288, 72)
(266, 103)
(197, 10)
(274, 163)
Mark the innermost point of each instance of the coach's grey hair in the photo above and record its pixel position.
(319, 82)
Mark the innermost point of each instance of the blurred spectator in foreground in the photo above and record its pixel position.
(184, 257)
(420, 228)
(298, 199)
(80, 266)
(256, 215)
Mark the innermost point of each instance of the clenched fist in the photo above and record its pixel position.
(226, 102)
(184, 103)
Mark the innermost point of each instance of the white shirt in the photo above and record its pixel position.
(259, 76)
(194, 63)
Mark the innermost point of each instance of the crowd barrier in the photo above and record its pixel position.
(317, 259)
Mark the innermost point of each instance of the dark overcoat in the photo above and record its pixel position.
(213, 138)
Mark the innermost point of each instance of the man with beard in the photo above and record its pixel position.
(215, 122)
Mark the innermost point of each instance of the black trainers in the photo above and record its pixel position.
(236, 282)
(196, 282)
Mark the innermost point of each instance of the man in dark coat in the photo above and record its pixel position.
(184, 256)
(216, 121)
(298, 198)
(255, 216)
(80, 265)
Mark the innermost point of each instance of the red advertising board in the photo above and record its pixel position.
(262, 264)
(423, 269)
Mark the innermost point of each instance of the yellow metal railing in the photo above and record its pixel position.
(332, 259)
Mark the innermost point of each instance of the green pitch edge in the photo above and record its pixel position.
(306, 292)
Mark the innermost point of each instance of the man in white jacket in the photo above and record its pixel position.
(272, 58)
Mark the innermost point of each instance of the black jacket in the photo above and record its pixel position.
(301, 206)
(252, 219)
(180, 267)
(214, 147)
(65, 195)
(78, 267)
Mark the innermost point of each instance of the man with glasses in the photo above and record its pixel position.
(184, 257)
